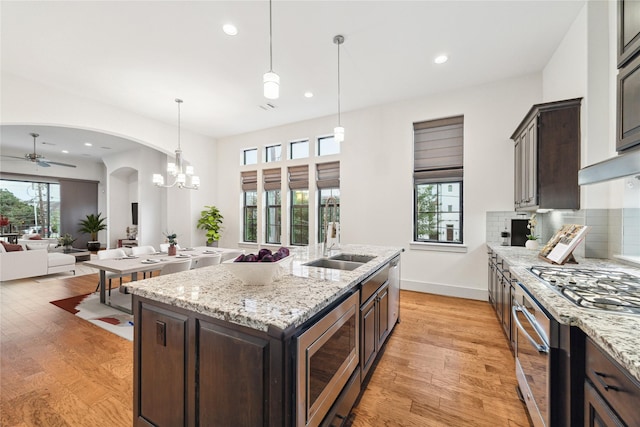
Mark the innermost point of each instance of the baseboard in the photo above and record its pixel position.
(446, 290)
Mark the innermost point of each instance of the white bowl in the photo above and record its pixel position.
(258, 273)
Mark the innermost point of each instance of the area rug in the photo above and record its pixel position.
(88, 307)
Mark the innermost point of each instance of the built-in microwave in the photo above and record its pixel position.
(327, 354)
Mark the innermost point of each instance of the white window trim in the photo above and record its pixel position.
(438, 247)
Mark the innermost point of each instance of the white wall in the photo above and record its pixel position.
(376, 168)
(584, 65)
(26, 102)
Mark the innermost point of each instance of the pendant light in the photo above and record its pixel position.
(338, 131)
(176, 169)
(270, 79)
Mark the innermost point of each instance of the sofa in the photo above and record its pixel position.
(35, 262)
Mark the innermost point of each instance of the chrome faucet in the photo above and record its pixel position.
(331, 205)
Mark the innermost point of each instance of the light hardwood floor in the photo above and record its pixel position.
(446, 364)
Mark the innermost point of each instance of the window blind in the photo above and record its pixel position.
(438, 150)
(328, 175)
(272, 179)
(249, 181)
(299, 177)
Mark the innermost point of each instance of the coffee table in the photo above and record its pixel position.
(80, 254)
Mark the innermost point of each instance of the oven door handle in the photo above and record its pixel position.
(542, 348)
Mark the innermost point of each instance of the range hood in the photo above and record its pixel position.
(617, 167)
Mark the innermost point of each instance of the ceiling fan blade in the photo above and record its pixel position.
(15, 157)
(43, 164)
(60, 164)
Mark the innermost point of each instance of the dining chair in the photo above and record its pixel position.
(206, 261)
(144, 250)
(111, 254)
(176, 266)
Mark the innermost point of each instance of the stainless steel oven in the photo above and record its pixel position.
(533, 355)
(327, 356)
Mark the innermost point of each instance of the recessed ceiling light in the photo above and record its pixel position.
(308, 94)
(88, 144)
(441, 59)
(230, 29)
(65, 151)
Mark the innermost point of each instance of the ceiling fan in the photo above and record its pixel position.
(39, 159)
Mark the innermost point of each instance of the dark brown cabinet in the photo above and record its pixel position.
(628, 82)
(220, 348)
(547, 157)
(501, 291)
(374, 317)
(374, 326)
(628, 30)
(611, 395)
(162, 361)
(192, 370)
(596, 411)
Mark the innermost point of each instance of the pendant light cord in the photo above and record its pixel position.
(339, 84)
(179, 101)
(270, 40)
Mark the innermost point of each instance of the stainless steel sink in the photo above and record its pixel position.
(334, 264)
(353, 258)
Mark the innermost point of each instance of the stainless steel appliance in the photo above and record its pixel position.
(327, 358)
(596, 289)
(534, 332)
(394, 292)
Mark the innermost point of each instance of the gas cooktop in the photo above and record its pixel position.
(609, 290)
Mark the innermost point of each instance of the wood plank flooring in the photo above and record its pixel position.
(446, 364)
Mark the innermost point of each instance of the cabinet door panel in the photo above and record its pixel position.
(628, 106)
(368, 335)
(596, 412)
(628, 30)
(163, 350)
(383, 315)
(231, 382)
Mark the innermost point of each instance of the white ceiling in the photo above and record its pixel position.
(140, 56)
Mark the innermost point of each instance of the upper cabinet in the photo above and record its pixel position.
(628, 96)
(628, 30)
(547, 157)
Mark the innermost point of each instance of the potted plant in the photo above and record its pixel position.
(532, 239)
(211, 221)
(92, 224)
(66, 241)
(171, 238)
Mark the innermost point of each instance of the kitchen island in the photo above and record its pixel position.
(212, 350)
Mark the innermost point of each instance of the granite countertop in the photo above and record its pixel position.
(288, 302)
(618, 334)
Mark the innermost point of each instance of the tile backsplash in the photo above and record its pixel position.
(604, 239)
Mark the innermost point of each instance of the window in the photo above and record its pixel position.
(299, 149)
(328, 183)
(250, 206)
(327, 145)
(250, 156)
(30, 207)
(273, 205)
(273, 153)
(438, 173)
(299, 186)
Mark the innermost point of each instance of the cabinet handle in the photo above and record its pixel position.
(600, 377)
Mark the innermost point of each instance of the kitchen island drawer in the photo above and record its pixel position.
(614, 384)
